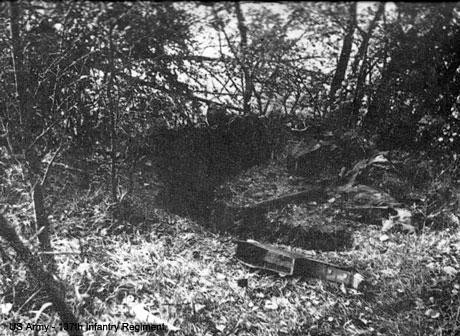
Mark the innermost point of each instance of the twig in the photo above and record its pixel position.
(366, 207)
(43, 133)
(45, 176)
(57, 252)
(28, 300)
(189, 95)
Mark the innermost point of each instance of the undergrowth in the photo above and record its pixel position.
(119, 259)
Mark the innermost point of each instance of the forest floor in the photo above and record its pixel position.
(134, 263)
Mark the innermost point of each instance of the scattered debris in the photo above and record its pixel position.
(144, 316)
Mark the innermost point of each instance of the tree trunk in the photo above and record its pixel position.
(247, 78)
(42, 226)
(362, 56)
(52, 287)
(366, 38)
(25, 127)
(359, 95)
(342, 64)
(380, 100)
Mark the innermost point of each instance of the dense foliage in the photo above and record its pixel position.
(97, 76)
(112, 110)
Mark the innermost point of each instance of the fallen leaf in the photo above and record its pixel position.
(387, 224)
(450, 270)
(220, 327)
(431, 265)
(434, 314)
(404, 215)
(5, 308)
(384, 238)
(419, 304)
(271, 305)
(357, 280)
(388, 272)
(378, 159)
(220, 276)
(454, 220)
(145, 316)
(282, 302)
(408, 228)
(199, 307)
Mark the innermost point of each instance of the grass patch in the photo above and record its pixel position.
(181, 274)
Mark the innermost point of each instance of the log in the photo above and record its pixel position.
(250, 221)
(313, 193)
(225, 216)
(256, 255)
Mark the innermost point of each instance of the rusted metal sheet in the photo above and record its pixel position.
(267, 257)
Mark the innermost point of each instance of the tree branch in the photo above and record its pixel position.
(48, 167)
(188, 95)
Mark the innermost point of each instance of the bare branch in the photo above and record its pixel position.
(48, 167)
(186, 95)
(42, 134)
